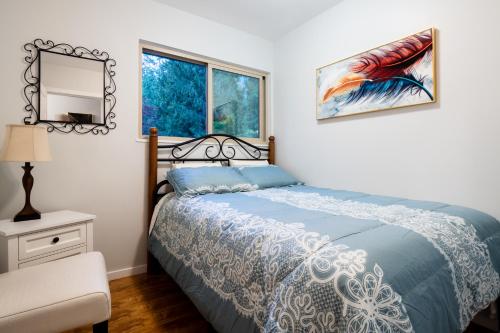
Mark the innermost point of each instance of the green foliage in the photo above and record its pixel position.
(173, 97)
(236, 104)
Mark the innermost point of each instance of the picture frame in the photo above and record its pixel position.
(64, 92)
(398, 74)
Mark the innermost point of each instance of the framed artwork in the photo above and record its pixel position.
(398, 74)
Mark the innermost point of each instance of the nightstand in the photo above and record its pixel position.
(56, 235)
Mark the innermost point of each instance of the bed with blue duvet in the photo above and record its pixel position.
(264, 253)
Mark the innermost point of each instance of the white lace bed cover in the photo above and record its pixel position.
(167, 196)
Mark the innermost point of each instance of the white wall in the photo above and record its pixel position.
(104, 175)
(449, 151)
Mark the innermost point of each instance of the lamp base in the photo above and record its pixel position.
(25, 216)
(28, 212)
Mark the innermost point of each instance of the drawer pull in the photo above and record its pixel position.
(55, 240)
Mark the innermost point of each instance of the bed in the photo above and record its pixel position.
(306, 259)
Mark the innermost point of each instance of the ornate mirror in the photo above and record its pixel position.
(69, 88)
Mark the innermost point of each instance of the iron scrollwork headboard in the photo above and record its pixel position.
(208, 148)
(218, 147)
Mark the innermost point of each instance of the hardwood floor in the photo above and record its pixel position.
(154, 303)
(151, 303)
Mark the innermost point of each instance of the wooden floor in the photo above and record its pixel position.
(154, 303)
(151, 303)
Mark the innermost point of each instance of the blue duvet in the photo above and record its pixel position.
(305, 259)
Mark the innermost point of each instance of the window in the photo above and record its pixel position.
(235, 104)
(186, 97)
(174, 97)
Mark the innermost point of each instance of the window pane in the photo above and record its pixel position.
(235, 104)
(174, 97)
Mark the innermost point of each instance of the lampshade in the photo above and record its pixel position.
(26, 143)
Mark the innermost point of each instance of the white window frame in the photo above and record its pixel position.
(211, 64)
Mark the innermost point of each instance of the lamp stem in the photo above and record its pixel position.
(28, 212)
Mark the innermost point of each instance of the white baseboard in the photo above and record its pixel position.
(124, 272)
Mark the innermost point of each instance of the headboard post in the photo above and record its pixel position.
(272, 151)
(153, 266)
(152, 169)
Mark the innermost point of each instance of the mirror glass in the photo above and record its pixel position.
(71, 89)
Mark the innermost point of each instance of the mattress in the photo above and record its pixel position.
(306, 259)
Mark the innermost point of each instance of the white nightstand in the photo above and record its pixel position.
(56, 235)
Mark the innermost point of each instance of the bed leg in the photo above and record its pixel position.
(497, 310)
(153, 266)
(101, 327)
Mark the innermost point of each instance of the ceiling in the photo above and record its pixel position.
(269, 19)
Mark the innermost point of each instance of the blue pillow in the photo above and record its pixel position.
(268, 176)
(196, 181)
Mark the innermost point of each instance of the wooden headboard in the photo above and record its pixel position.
(208, 148)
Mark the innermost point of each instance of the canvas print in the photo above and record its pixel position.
(393, 75)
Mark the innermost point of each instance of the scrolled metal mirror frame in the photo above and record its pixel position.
(32, 88)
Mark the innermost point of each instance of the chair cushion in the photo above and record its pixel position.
(55, 296)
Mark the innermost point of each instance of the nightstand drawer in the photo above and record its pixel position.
(40, 243)
(55, 256)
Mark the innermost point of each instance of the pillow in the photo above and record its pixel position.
(268, 176)
(195, 165)
(202, 180)
(237, 163)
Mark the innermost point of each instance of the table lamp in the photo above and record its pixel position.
(26, 143)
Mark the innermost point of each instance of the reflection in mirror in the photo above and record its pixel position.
(71, 89)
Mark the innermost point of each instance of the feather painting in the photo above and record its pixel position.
(401, 73)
